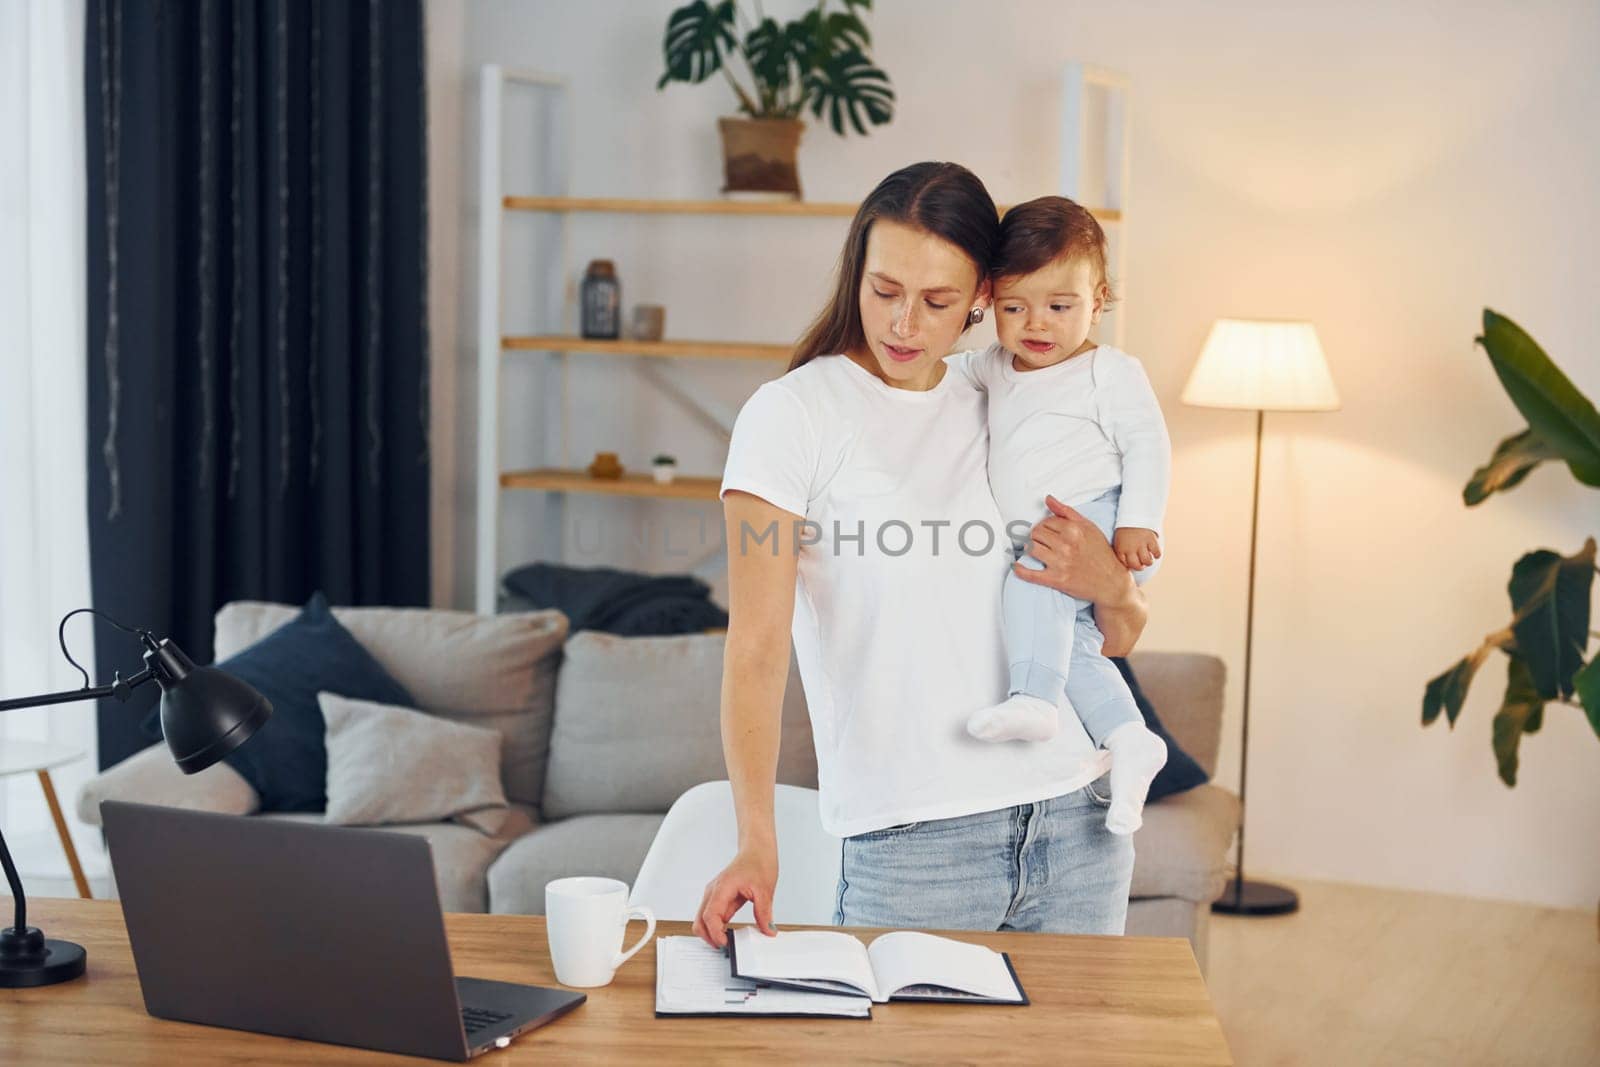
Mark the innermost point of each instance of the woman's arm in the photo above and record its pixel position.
(1078, 561)
(761, 575)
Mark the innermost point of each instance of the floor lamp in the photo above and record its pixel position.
(1261, 366)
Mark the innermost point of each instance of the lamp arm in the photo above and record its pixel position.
(120, 690)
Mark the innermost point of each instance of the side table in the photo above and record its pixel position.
(21, 757)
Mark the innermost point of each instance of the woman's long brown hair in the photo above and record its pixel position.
(944, 199)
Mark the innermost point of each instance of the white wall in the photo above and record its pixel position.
(1384, 170)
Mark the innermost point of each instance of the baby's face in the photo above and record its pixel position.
(1045, 317)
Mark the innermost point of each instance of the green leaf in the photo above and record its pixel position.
(1550, 598)
(1534, 721)
(1448, 692)
(858, 3)
(773, 52)
(1522, 704)
(1556, 411)
(1511, 462)
(1587, 684)
(844, 32)
(850, 88)
(697, 36)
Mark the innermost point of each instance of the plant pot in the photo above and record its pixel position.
(760, 155)
(664, 472)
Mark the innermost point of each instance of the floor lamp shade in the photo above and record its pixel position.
(1258, 365)
(1262, 365)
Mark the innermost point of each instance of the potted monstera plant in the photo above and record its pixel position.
(820, 62)
(1547, 640)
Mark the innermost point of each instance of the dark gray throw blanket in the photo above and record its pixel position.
(616, 601)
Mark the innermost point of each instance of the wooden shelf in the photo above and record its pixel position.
(625, 206)
(683, 487)
(692, 349)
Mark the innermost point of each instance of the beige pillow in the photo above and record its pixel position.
(388, 764)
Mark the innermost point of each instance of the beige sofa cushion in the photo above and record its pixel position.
(1185, 688)
(461, 855)
(398, 765)
(494, 671)
(638, 723)
(150, 777)
(1182, 848)
(607, 846)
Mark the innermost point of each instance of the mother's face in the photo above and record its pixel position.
(916, 292)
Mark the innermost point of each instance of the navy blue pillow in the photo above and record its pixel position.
(1181, 771)
(286, 761)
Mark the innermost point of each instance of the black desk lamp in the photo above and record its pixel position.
(205, 714)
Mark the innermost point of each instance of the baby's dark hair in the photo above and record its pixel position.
(1040, 232)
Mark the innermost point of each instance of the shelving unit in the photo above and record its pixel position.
(775, 208)
(665, 349)
(553, 479)
(1091, 171)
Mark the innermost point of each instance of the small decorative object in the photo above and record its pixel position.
(664, 468)
(1547, 641)
(649, 322)
(820, 61)
(601, 297)
(605, 465)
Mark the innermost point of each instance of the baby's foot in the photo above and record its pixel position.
(1019, 718)
(1136, 755)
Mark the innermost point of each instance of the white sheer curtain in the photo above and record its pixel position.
(44, 540)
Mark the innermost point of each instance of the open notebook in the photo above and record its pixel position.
(692, 978)
(904, 965)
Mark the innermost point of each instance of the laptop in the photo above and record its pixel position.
(292, 928)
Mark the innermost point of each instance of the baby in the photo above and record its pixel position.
(1079, 421)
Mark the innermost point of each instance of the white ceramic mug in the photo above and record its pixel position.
(585, 919)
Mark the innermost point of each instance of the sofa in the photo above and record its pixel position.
(600, 734)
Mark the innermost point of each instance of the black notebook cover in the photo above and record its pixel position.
(952, 997)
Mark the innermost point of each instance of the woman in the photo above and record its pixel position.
(861, 526)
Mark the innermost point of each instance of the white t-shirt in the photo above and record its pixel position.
(1074, 430)
(897, 625)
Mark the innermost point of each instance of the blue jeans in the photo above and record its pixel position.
(1053, 643)
(1049, 867)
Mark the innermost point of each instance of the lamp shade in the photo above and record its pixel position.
(206, 713)
(1262, 365)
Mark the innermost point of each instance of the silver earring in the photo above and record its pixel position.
(975, 316)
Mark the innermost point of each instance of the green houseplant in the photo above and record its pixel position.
(1547, 639)
(820, 61)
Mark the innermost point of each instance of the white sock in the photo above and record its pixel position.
(1136, 755)
(1018, 718)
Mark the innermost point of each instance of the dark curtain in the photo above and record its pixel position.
(257, 314)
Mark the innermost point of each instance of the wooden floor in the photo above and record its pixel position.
(1379, 976)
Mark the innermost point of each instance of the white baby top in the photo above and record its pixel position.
(897, 625)
(1074, 430)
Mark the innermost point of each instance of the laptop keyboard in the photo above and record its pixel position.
(475, 1019)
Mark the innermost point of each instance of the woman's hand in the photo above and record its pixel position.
(1078, 561)
(752, 876)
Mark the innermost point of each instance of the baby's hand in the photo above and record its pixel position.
(1136, 547)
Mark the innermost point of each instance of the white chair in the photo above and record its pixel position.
(699, 836)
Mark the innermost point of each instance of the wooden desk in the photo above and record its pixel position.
(1100, 1000)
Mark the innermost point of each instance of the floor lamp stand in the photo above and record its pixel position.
(1244, 897)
